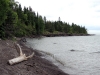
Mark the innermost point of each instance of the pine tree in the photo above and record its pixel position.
(4, 5)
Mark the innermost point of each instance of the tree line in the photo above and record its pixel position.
(15, 21)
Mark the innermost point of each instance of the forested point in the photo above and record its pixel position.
(18, 22)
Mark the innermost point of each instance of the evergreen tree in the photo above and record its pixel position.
(15, 21)
(4, 5)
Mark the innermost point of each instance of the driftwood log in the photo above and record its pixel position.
(20, 58)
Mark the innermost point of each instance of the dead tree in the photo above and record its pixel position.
(20, 58)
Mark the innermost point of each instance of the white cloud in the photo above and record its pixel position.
(82, 12)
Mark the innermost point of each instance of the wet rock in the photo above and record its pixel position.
(72, 50)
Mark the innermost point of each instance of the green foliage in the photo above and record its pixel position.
(4, 4)
(41, 24)
(2, 33)
(15, 21)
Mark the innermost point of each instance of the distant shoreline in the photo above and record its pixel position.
(50, 35)
(62, 34)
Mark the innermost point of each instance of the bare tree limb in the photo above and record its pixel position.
(20, 58)
(30, 56)
(19, 48)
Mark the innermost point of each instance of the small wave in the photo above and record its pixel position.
(47, 54)
(72, 50)
(96, 52)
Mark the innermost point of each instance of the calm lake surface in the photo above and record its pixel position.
(76, 55)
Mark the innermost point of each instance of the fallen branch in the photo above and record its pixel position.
(20, 58)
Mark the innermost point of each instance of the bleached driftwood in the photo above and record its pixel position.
(20, 58)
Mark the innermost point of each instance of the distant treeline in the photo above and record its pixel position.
(15, 21)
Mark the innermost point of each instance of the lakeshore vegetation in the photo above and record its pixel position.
(19, 22)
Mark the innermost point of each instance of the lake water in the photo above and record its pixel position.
(76, 55)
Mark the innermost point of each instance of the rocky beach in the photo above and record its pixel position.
(33, 66)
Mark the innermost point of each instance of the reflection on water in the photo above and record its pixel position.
(77, 55)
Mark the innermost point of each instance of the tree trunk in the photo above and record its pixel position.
(21, 58)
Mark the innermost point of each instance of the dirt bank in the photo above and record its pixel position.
(33, 66)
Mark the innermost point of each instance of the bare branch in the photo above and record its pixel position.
(30, 56)
(22, 56)
(19, 48)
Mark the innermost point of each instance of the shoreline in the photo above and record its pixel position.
(65, 34)
(33, 66)
(62, 34)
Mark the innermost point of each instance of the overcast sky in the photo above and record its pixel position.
(82, 12)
